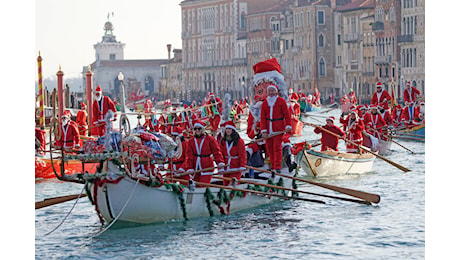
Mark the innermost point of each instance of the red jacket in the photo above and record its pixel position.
(409, 94)
(100, 112)
(81, 122)
(179, 163)
(354, 129)
(69, 136)
(234, 156)
(175, 128)
(409, 114)
(387, 117)
(200, 151)
(396, 118)
(275, 118)
(163, 123)
(375, 122)
(328, 140)
(295, 110)
(379, 99)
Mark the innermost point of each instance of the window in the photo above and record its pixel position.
(339, 60)
(112, 56)
(320, 40)
(320, 17)
(339, 40)
(322, 68)
(287, 44)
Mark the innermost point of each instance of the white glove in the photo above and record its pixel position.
(288, 128)
(220, 165)
(242, 169)
(181, 170)
(190, 170)
(220, 170)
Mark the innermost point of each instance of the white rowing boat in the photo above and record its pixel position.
(327, 163)
(119, 196)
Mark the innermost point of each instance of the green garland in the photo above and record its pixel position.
(209, 197)
(178, 189)
(294, 186)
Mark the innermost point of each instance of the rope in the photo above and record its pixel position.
(75, 203)
(119, 214)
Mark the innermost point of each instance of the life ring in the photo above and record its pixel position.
(125, 127)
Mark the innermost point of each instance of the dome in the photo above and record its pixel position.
(108, 26)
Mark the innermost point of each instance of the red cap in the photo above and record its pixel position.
(294, 96)
(83, 105)
(199, 123)
(267, 65)
(230, 124)
(98, 89)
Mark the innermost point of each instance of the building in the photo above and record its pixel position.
(141, 77)
(171, 86)
(412, 44)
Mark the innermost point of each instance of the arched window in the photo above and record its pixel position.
(321, 40)
(322, 67)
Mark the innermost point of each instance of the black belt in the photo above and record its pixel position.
(201, 155)
(178, 162)
(276, 119)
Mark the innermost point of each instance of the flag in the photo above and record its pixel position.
(393, 94)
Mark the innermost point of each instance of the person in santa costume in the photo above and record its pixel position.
(178, 164)
(410, 93)
(81, 120)
(353, 127)
(40, 143)
(352, 97)
(233, 151)
(274, 117)
(329, 141)
(420, 113)
(380, 96)
(69, 137)
(176, 126)
(164, 118)
(151, 123)
(374, 122)
(386, 115)
(214, 111)
(101, 105)
(408, 115)
(201, 153)
(396, 114)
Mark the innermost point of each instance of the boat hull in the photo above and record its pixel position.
(328, 163)
(414, 134)
(311, 108)
(44, 168)
(124, 199)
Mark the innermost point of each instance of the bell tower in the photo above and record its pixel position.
(109, 48)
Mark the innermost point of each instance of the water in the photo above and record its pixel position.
(392, 229)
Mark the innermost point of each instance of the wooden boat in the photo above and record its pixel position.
(312, 107)
(44, 169)
(383, 146)
(327, 163)
(117, 195)
(416, 133)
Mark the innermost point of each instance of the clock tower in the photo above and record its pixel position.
(109, 48)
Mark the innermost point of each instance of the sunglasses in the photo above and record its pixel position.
(197, 128)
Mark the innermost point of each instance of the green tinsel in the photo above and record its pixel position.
(178, 189)
(209, 197)
(294, 186)
(281, 184)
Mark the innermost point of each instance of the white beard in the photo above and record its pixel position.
(422, 109)
(65, 121)
(98, 98)
(271, 100)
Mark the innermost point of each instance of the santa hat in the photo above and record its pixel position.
(98, 89)
(331, 118)
(211, 94)
(270, 70)
(290, 91)
(83, 105)
(294, 97)
(422, 103)
(185, 106)
(199, 124)
(66, 114)
(230, 124)
(379, 84)
(399, 107)
(360, 107)
(408, 83)
(272, 86)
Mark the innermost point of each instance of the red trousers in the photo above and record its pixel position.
(202, 178)
(275, 151)
(237, 175)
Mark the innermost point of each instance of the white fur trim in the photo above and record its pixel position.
(198, 125)
(267, 75)
(272, 86)
(231, 127)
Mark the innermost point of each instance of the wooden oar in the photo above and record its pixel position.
(268, 137)
(299, 191)
(402, 168)
(197, 171)
(374, 198)
(57, 200)
(251, 191)
(309, 163)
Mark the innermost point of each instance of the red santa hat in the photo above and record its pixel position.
(408, 83)
(199, 124)
(66, 114)
(230, 124)
(267, 69)
(294, 97)
(331, 118)
(379, 84)
(211, 94)
(290, 91)
(273, 86)
(98, 89)
(185, 106)
(399, 107)
(83, 105)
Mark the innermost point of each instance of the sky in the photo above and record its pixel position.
(66, 31)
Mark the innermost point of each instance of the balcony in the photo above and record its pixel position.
(352, 37)
(405, 38)
(385, 59)
(378, 26)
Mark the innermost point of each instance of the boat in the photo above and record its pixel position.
(44, 168)
(416, 133)
(382, 147)
(117, 195)
(312, 107)
(328, 163)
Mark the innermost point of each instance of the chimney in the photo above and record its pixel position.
(333, 4)
(169, 51)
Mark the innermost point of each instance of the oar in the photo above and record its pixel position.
(374, 198)
(391, 139)
(202, 170)
(294, 190)
(251, 191)
(402, 168)
(309, 163)
(268, 137)
(57, 200)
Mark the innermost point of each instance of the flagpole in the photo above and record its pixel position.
(40, 92)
